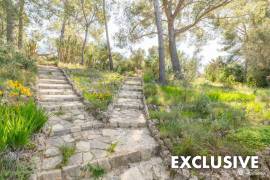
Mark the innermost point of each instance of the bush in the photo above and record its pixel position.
(219, 70)
(253, 138)
(15, 65)
(12, 168)
(202, 105)
(18, 123)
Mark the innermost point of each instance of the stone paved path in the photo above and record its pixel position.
(135, 152)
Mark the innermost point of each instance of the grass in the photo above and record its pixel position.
(66, 152)
(12, 168)
(209, 119)
(18, 123)
(98, 86)
(96, 171)
(111, 148)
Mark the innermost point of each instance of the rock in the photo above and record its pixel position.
(53, 151)
(52, 162)
(87, 156)
(132, 174)
(83, 146)
(49, 175)
(76, 159)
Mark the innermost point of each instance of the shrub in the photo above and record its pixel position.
(228, 119)
(253, 138)
(202, 105)
(18, 123)
(187, 147)
(12, 168)
(67, 152)
(226, 72)
(16, 66)
(148, 76)
(150, 89)
(96, 171)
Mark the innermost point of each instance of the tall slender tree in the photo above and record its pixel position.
(162, 76)
(10, 20)
(90, 15)
(21, 23)
(107, 36)
(195, 11)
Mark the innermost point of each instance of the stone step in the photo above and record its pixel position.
(133, 79)
(95, 147)
(131, 88)
(133, 82)
(130, 94)
(62, 127)
(127, 118)
(62, 106)
(145, 170)
(56, 92)
(47, 67)
(126, 103)
(51, 73)
(44, 70)
(59, 98)
(53, 81)
(54, 86)
(42, 76)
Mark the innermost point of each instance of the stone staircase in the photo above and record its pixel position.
(134, 155)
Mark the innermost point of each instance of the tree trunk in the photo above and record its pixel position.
(173, 49)
(20, 31)
(107, 36)
(162, 75)
(84, 43)
(10, 18)
(61, 39)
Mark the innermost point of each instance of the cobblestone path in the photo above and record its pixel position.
(123, 146)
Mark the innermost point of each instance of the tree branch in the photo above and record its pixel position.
(178, 8)
(199, 17)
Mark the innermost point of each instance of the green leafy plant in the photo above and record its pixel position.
(111, 148)
(12, 168)
(18, 123)
(96, 171)
(67, 152)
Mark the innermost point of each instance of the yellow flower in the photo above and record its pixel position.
(13, 94)
(1, 93)
(13, 84)
(25, 91)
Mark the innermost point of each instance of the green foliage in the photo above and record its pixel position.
(111, 148)
(252, 137)
(227, 96)
(204, 122)
(66, 152)
(202, 106)
(96, 171)
(16, 66)
(219, 70)
(18, 123)
(170, 128)
(69, 49)
(12, 168)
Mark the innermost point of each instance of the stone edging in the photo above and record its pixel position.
(164, 152)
